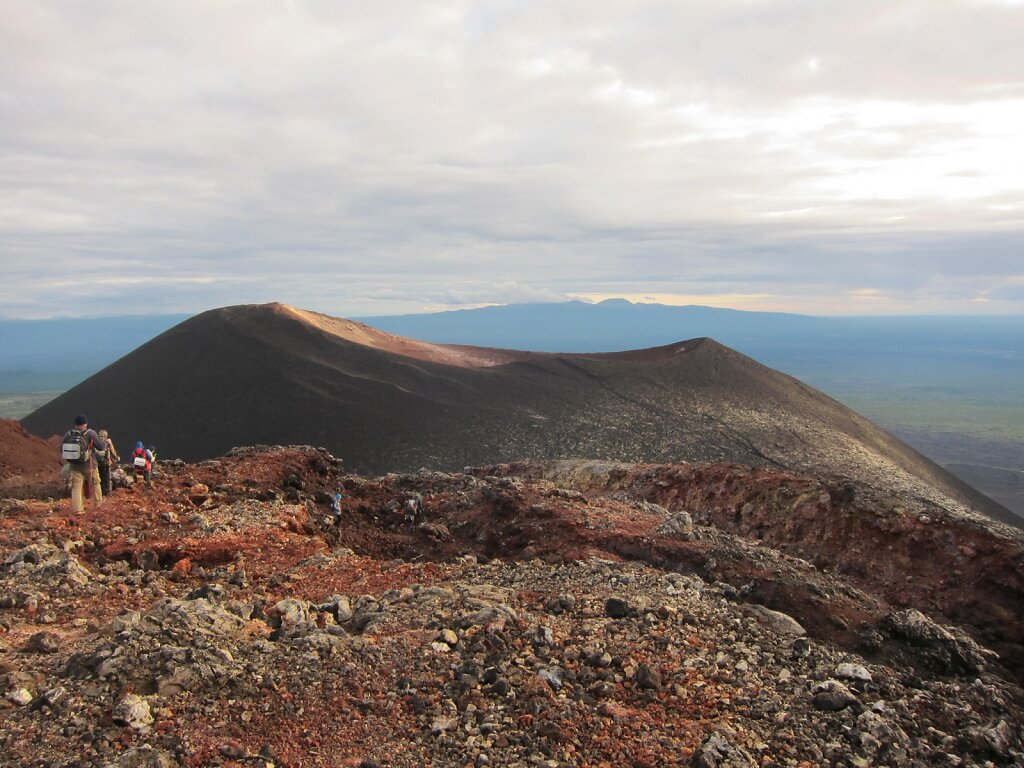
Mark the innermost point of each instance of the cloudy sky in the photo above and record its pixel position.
(813, 156)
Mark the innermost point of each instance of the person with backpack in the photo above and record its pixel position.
(336, 505)
(142, 461)
(77, 450)
(105, 461)
(414, 510)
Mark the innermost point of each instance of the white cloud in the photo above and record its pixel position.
(392, 149)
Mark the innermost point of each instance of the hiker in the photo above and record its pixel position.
(77, 450)
(142, 461)
(414, 509)
(336, 505)
(106, 459)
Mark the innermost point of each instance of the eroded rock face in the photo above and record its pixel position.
(902, 549)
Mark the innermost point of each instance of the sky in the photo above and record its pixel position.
(812, 156)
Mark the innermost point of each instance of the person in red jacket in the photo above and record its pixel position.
(142, 460)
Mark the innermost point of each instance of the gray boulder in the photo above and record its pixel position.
(948, 651)
(778, 622)
(853, 672)
(718, 752)
(679, 524)
(882, 740)
(133, 711)
(43, 642)
(832, 696)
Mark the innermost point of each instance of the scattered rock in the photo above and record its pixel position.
(133, 711)
(947, 650)
(996, 739)
(832, 696)
(882, 740)
(679, 524)
(777, 621)
(143, 756)
(616, 608)
(718, 752)
(854, 672)
(20, 697)
(43, 642)
(647, 677)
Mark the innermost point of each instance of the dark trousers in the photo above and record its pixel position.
(105, 482)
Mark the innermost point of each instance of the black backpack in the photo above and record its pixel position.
(75, 448)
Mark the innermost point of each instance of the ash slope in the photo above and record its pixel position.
(273, 374)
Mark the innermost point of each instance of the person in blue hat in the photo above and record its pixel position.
(336, 505)
(142, 461)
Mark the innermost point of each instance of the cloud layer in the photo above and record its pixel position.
(375, 158)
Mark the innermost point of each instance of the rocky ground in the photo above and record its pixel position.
(561, 615)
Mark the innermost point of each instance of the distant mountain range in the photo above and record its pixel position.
(273, 374)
